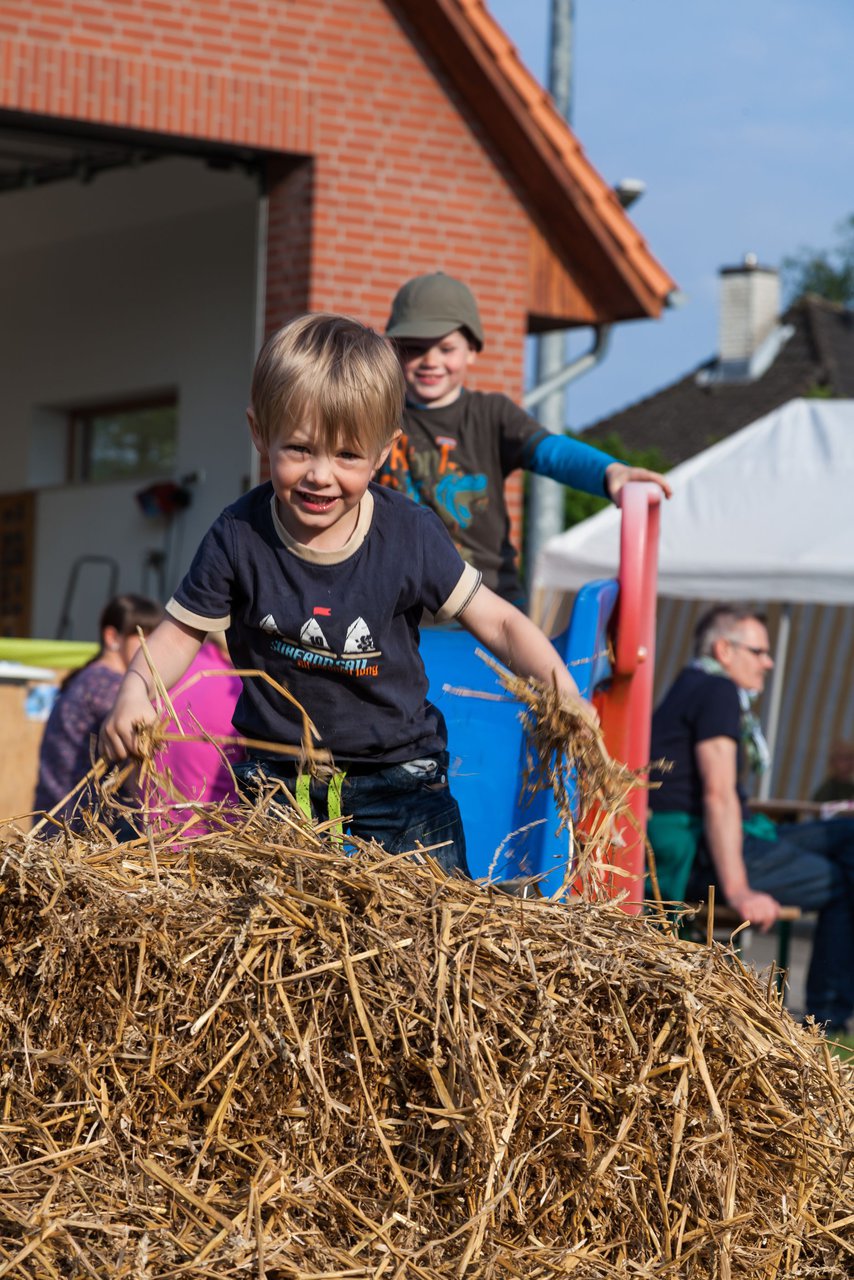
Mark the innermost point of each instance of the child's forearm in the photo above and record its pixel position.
(514, 638)
(581, 466)
(528, 652)
(572, 462)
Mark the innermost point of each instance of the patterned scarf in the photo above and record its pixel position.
(752, 738)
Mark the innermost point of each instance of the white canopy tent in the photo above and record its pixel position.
(767, 514)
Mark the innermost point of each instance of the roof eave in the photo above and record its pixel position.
(576, 209)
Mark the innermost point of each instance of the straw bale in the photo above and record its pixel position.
(250, 1054)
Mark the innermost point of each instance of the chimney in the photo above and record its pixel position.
(750, 305)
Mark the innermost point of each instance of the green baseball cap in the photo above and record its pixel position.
(431, 306)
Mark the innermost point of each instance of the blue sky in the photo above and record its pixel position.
(739, 117)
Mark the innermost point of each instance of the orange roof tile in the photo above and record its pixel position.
(577, 209)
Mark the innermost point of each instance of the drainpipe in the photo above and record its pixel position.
(575, 369)
(544, 516)
(545, 513)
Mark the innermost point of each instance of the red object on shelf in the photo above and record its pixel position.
(165, 498)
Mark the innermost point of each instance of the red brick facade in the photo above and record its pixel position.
(395, 178)
(399, 180)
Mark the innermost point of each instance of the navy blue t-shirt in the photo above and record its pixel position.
(338, 629)
(697, 707)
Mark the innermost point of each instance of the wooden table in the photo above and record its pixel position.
(786, 810)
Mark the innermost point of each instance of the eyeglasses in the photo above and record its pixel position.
(757, 653)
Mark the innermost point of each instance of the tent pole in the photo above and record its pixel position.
(776, 701)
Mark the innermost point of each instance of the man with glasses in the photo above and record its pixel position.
(700, 827)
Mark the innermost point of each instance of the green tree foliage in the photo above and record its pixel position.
(826, 272)
(578, 506)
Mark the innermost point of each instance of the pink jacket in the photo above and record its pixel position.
(197, 768)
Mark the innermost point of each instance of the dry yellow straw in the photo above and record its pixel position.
(253, 1054)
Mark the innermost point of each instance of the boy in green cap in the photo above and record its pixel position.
(458, 446)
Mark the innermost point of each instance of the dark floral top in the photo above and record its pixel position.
(69, 745)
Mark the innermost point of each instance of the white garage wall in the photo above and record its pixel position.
(140, 281)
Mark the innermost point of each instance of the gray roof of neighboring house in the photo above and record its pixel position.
(689, 415)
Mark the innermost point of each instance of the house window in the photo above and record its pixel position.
(123, 441)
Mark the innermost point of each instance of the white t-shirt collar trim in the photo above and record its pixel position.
(315, 556)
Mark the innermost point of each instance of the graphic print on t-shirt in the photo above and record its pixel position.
(314, 652)
(359, 639)
(311, 634)
(431, 476)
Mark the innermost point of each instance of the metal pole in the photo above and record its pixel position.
(544, 516)
(776, 700)
(560, 55)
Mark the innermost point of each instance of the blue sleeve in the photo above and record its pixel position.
(571, 462)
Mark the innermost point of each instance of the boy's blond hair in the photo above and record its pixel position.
(334, 375)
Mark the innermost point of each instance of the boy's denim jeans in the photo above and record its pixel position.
(399, 805)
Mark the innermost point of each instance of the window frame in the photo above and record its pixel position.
(81, 434)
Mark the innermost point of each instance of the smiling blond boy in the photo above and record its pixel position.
(319, 577)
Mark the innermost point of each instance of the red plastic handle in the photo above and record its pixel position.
(640, 504)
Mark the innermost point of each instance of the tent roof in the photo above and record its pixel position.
(767, 514)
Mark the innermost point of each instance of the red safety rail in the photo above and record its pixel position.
(625, 705)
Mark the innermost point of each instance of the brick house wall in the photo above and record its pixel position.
(375, 171)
